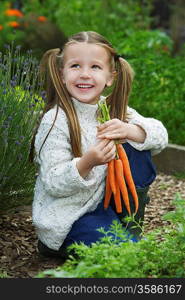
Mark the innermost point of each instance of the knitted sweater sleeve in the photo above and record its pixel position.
(156, 134)
(57, 166)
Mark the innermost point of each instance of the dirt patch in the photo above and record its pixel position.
(18, 241)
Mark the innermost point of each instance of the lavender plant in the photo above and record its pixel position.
(20, 104)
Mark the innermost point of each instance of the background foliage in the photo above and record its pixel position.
(158, 89)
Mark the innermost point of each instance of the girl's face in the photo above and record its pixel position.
(86, 71)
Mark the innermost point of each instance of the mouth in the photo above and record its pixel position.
(85, 86)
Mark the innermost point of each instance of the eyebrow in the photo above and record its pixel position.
(78, 60)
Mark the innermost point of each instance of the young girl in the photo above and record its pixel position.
(72, 149)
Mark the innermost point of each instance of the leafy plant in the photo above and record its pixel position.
(160, 254)
(31, 30)
(20, 105)
(158, 87)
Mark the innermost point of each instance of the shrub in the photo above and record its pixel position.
(159, 92)
(31, 30)
(20, 105)
(158, 88)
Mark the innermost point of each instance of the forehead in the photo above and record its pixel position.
(85, 50)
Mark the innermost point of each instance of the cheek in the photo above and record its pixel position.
(67, 77)
(63, 77)
(101, 78)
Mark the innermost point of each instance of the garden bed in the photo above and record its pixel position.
(19, 256)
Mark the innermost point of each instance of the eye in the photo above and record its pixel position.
(75, 66)
(96, 67)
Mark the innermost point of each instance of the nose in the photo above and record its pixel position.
(85, 73)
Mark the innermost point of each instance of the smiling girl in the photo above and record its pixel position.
(72, 149)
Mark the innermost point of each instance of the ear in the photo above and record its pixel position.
(111, 78)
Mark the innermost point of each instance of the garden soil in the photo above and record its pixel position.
(19, 257)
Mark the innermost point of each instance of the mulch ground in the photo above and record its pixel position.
(19, 257)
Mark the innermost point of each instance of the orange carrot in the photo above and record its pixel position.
(117, 199)
(111, 175)
(127, 174)
(121, 182)
(108, 193)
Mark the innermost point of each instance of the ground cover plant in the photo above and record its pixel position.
(20, 105)
(160, 254)
(19, 257)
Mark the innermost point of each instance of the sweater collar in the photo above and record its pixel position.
(84, 109)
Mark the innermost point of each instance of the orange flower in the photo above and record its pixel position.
(165, 48)
(14, 24)
(42, 19)
(1, 27)
(13, 12)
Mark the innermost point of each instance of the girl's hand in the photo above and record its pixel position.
(99, 154)
(113, 129)
(118, 130)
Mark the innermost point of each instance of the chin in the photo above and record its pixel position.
(86, 100)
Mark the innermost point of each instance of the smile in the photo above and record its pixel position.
(84, 86)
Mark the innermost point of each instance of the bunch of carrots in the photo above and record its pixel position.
(119, 175)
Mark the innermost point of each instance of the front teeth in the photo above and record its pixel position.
(84, 86)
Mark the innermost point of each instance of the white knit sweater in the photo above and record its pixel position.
(61, 195)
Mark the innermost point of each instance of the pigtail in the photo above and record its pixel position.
(63, 100)
(118, 99)
(57, 94)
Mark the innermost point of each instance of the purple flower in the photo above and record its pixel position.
(43, 95)
(13, 83)
(7, 46)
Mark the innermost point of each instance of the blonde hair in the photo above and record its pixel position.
(58, 95)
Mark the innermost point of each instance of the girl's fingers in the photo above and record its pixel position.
(104, 125)
(102, 144)
(111, 135)
(108, 123)
(110, 150)
(109, 156)
(107, 148)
